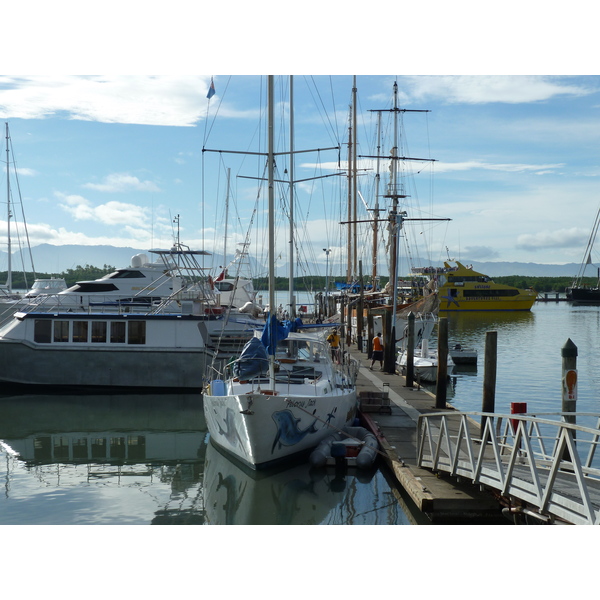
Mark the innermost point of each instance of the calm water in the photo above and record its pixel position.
(92, 460)
(144, 459)
(529, 366)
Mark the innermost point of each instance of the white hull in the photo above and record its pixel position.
(263, 421)
(425, 364)
(175, 351)
(262, 430)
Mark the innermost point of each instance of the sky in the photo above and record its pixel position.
(118, 158)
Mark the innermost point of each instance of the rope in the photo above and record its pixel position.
(329, 425)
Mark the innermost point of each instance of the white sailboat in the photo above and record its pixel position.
(284, 394)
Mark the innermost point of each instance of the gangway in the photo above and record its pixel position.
(545, 463)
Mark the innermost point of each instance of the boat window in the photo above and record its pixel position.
(127, 274)
(136, 331)
(42, 331)
(61, 331)
(98, 332)
(224, 286)
(98, 447)
(80, 331)
(490, 293)
(117, 332)
(117, 447)
(93, 287)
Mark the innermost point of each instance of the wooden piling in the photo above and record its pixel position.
(569, 380)
(441, 387)
(488, 403)
(410, 351)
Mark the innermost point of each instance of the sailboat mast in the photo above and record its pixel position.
(376, 210)
(226, 219)
(349, 256)
(271, 220)
(9, 216)
(354, 181)
(292, 302)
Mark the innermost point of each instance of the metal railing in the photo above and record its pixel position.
(546, 463)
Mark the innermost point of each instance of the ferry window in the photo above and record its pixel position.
(61, 331)
(98, 332)
(136, 331)
(80, 331)
(117, 333)
(42, 331)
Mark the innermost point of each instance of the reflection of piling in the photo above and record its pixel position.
(441, 387)
(489, 375)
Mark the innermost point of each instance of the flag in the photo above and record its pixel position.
(211, 89)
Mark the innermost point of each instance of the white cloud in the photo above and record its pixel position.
(122, 182)
(560, 238)
(139, 99)
(111, 213)
(477, 89)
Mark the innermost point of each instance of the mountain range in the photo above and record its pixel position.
(57, 259)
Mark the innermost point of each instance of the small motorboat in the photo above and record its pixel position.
(355, 446)
(425, 363)
(463, 356)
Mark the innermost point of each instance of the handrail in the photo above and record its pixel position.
(547, 463)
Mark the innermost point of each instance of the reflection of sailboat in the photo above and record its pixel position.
(293, 496)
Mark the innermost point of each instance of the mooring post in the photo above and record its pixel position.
(441, 386)
(569, 381)
(489, 375)
(410, 350)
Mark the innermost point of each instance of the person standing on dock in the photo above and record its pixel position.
(334, 341)
(377, 353)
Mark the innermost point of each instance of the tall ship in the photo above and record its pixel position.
(460, 288)
(579, 292)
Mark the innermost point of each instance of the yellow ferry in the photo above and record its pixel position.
(461, 288)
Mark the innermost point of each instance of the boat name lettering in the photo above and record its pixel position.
(303, 403)
(482, 287)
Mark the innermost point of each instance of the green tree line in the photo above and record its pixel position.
(23, 281)
(301, 284)
(317, 283)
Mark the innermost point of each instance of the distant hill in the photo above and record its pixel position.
(57, 259)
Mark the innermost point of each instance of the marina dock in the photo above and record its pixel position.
(443, 499)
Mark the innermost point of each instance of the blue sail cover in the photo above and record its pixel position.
(253, 360)
(274, 332)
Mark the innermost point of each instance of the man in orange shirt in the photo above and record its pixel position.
(377, 352)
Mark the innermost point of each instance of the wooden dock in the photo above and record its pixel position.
(391, 411)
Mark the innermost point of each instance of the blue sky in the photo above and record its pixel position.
(112, 159)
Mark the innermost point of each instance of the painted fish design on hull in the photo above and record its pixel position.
(288, 432)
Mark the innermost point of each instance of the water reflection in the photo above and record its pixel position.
(145, 459)
(144, 451)
(298, 495)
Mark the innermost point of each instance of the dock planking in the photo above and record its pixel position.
(442, 498)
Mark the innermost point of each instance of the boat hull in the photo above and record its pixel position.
(584, 295)
(262, 430)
